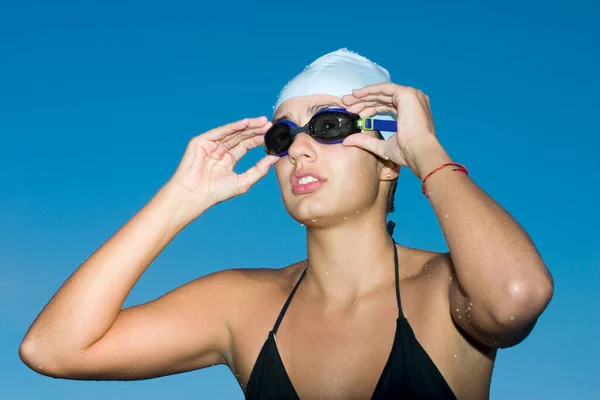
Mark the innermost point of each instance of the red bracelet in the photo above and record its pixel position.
(459, 167)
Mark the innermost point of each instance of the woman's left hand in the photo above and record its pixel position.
(415, 122)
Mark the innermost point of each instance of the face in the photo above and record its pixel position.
(348, 178)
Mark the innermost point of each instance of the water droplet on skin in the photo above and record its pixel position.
(455, 355)
(447, 215)
(516, 288)
(326, 272)
(301, 224)
(313, 220)
(69, 312)
(41, 366)
(512, 318)
(457, 310)
(37, 340)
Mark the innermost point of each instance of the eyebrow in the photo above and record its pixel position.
(311, 110)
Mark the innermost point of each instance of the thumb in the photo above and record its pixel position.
(366, 142)
(250, 177)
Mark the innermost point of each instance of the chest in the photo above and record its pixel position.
(335, 355)
(337, 358)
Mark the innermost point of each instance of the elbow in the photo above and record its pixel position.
(36, 358)
(523, 302)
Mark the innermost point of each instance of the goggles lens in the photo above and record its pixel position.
(278, 139)
(328, 126)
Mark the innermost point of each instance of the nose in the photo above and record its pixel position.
(303, 146)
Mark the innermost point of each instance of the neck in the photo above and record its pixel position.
(349, 259)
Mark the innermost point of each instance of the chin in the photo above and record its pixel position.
(310, 213)
(318, 214)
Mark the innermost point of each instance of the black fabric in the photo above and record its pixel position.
(408, 374)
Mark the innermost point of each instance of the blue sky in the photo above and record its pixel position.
(99, 99)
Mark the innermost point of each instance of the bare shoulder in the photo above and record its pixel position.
(257, 288)
(250, 282)
(244, 291)
(241, 282)
(257, 296)
(415, 263)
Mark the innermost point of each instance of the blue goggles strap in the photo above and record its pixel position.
(370, 124)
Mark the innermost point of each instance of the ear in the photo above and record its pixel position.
(389, 170)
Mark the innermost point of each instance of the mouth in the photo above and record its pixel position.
(304, 182)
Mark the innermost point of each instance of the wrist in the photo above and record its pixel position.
(180, 206)
(424, 154)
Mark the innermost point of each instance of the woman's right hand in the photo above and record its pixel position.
(205, 174)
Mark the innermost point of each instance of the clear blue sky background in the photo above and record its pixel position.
(99, 99)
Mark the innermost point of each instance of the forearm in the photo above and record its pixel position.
(88, 303)
(495, 261)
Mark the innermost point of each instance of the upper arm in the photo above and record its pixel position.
(183, 330)
(479, 324)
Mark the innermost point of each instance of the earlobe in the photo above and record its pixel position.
(390, 171)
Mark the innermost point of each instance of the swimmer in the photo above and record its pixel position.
(362, 317)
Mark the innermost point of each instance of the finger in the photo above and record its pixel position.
(381, 88)
(254, 125)
(242, 148)
(250, 177)
(357, 108)
(366, 142)
(222, 131)
(233, 140)
(212, 150)
(377, 109)
(349, 100)
(234, 127)
(379, 97)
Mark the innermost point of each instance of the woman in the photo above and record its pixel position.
(362, 317)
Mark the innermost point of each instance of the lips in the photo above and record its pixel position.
(305, 181)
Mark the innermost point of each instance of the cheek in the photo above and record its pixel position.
(283, 171)
(356, 172)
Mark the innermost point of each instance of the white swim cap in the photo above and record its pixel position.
(337, 74)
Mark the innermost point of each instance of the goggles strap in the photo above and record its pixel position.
(370, 124)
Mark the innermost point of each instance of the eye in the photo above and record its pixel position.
(327, 126)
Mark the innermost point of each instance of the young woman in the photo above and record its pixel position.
(362, 317)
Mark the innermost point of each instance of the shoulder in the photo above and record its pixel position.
(245, 291)
(241, 280)
(426, 277)
(245, 280)
(418, 263)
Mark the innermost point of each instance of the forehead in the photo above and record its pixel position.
(298, 108)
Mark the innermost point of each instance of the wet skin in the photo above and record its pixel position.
(338, 331)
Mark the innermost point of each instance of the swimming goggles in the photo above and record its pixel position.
(329, 126)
